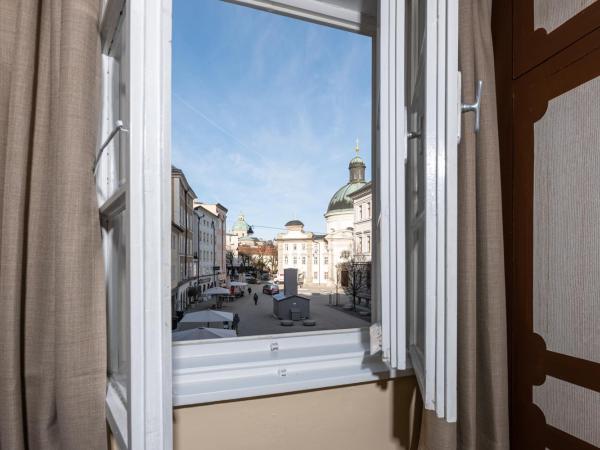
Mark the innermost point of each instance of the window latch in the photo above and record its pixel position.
(118, 127)
(474, 107)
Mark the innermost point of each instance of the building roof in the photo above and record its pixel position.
(294, 222)
(356, 161)
(366, 189)
(178, 173)
(240, 224)
(342, 198)
(281, 296)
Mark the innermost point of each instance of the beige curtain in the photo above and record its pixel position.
(482, 359)
(52, 322)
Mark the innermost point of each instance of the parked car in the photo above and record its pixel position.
(271, 289)
(251, 280)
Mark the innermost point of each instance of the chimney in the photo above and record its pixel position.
(290, 282)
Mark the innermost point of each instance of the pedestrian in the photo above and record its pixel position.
(235, 322)
(255, 298)
(249, 290)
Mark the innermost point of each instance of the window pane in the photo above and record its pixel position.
(118, 302)
(271, 158)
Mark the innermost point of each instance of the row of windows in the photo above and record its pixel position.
(325, 275)
(294, 246)
(315, 260)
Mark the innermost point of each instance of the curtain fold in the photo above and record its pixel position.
(52, 326)
(482, 346)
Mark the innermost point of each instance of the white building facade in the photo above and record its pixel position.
(363, 206)
(208, 244)
(348, 223)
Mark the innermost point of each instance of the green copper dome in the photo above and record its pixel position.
(341, 199)
(240, 224)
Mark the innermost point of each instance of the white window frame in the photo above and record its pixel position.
(207, 371)
(145, 419)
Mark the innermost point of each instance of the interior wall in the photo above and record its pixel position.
(377, 416)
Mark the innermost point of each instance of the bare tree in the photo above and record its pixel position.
(354, 276)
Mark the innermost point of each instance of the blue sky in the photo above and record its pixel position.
(266, 111)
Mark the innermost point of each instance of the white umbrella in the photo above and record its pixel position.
(238, 283)
(207, 315)
(202, 333)
(216, 291)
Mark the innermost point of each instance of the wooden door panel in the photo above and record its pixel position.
(542, 28)
(556, 195)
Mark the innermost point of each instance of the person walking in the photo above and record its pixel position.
(255, 298)
(249, 290)
(235, 322)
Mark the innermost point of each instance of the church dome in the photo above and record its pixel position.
(341, 200)
(240, 224)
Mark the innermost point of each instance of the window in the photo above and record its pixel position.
(326, 260)
(136, 72)
(303, 246)
(315, 260)
(295, 260)
(286, 247)
(326, 276)
(304, 260)
(294, 246)
(368, 244)
(360, 211)
(285, 259)
(369, 210)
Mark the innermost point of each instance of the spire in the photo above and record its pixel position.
(356, 149)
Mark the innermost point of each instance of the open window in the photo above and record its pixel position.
(130, 169)
(418, 137)
(413, 243)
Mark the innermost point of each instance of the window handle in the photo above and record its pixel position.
(475, 107)
(413, 135)
(118, 127)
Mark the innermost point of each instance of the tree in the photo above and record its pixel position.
(354, 276)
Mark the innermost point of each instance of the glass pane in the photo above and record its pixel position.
(566, 213)
(272, 160)
(118, 301)
(550, 14)
(570, 408)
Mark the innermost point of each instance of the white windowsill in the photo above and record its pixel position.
(228, 369)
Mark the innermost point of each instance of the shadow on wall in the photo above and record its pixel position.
(376, 416)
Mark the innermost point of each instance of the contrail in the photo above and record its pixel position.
(213, 123)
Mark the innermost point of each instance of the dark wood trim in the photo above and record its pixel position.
(534, 46)
(502, 34)
(559, 440)
(574, 370)
(547, 68)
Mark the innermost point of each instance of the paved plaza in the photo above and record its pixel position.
(259, 320)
